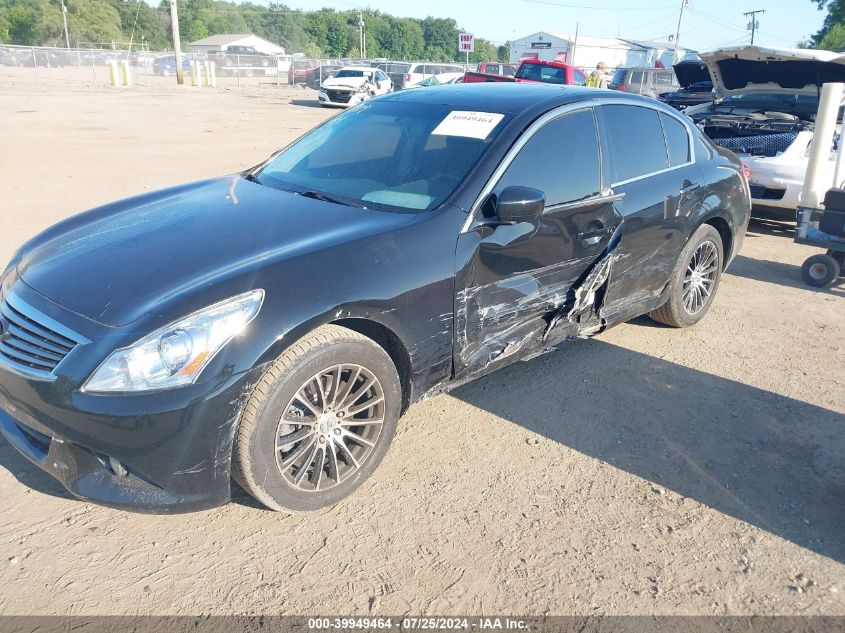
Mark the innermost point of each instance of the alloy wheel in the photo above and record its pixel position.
(700, 277)
(329, 427)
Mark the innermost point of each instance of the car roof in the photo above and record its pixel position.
(358, 68)
(514, 98)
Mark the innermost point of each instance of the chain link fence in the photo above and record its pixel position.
(45, 66)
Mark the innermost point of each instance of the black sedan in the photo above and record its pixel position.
(272, 326)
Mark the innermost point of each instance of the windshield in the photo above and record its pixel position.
(392, 155)
(541, 72)
(351, 73)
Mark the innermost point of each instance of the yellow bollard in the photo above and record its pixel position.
(206, 75)
(212, 75)
(194, 73)
(113, 73)
(125, 73)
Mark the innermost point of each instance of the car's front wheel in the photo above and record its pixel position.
(319, 421)
(694, 281)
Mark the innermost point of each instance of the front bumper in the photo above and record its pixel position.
(330, 98)
(175, 445)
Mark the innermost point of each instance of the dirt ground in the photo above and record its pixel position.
(647, 471)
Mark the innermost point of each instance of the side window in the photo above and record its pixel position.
(575, 171)
(677, 140)
(553, 75)
(636, 77)
(580, 79)
(636, 140)
(507, 70)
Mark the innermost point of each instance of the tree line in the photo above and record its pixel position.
(324, 33)
(832, 34)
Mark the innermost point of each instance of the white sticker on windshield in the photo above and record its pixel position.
(469, 124)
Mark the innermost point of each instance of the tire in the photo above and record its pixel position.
(705, 243)
(261, 466)
(820, 270)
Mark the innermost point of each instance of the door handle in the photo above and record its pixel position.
(594, 237)
(689, 189)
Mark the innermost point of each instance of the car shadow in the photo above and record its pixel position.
(766, 459)
(776, 227)
(780, 273)
(309, 103)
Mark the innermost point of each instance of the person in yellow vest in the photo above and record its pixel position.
(597, 78)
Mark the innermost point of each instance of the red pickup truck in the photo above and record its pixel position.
(536, 71)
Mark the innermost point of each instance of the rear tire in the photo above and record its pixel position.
(820, 270)
(694, 281)
(307, 438)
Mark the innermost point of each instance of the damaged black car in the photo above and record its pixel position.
(271, 327)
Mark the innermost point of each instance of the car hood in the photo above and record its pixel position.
(349, 83)
(691, 72)
(117, 263)
(756, 69)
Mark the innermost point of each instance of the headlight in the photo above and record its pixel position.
(175, 355)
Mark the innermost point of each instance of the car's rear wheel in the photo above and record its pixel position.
(319, 421)
(694, 281)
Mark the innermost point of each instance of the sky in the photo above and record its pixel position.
(706, 24)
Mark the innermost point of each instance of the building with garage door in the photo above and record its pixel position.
(586, 51)
(225, 41)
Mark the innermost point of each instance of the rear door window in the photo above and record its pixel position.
(636, 140)
(507, 70)
(636, 77)
(574, 173)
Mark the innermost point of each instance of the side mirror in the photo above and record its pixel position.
(520, 204)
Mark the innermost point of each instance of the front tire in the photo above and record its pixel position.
(694, 281)
(318, 422)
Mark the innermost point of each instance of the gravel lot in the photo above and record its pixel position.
(648, 471)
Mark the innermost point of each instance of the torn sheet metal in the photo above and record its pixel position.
(593, 286)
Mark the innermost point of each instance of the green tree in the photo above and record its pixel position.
(830, 36)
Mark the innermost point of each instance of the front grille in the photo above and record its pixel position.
(759, 192)
(339, 96)
(27, 341)
(760, 145)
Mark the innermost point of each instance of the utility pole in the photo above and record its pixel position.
(362, 45)
(177, 43)
(753, 24)
(64, 17)
(684, 4)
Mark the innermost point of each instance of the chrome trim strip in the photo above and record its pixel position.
(566, 109)
(650, 174)
(586, 202)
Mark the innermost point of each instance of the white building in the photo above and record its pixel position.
(585, 51)
(222, 42)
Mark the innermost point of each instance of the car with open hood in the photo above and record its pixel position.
(353, 84)
(271, 326)
(696, 85)
(765, 113)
